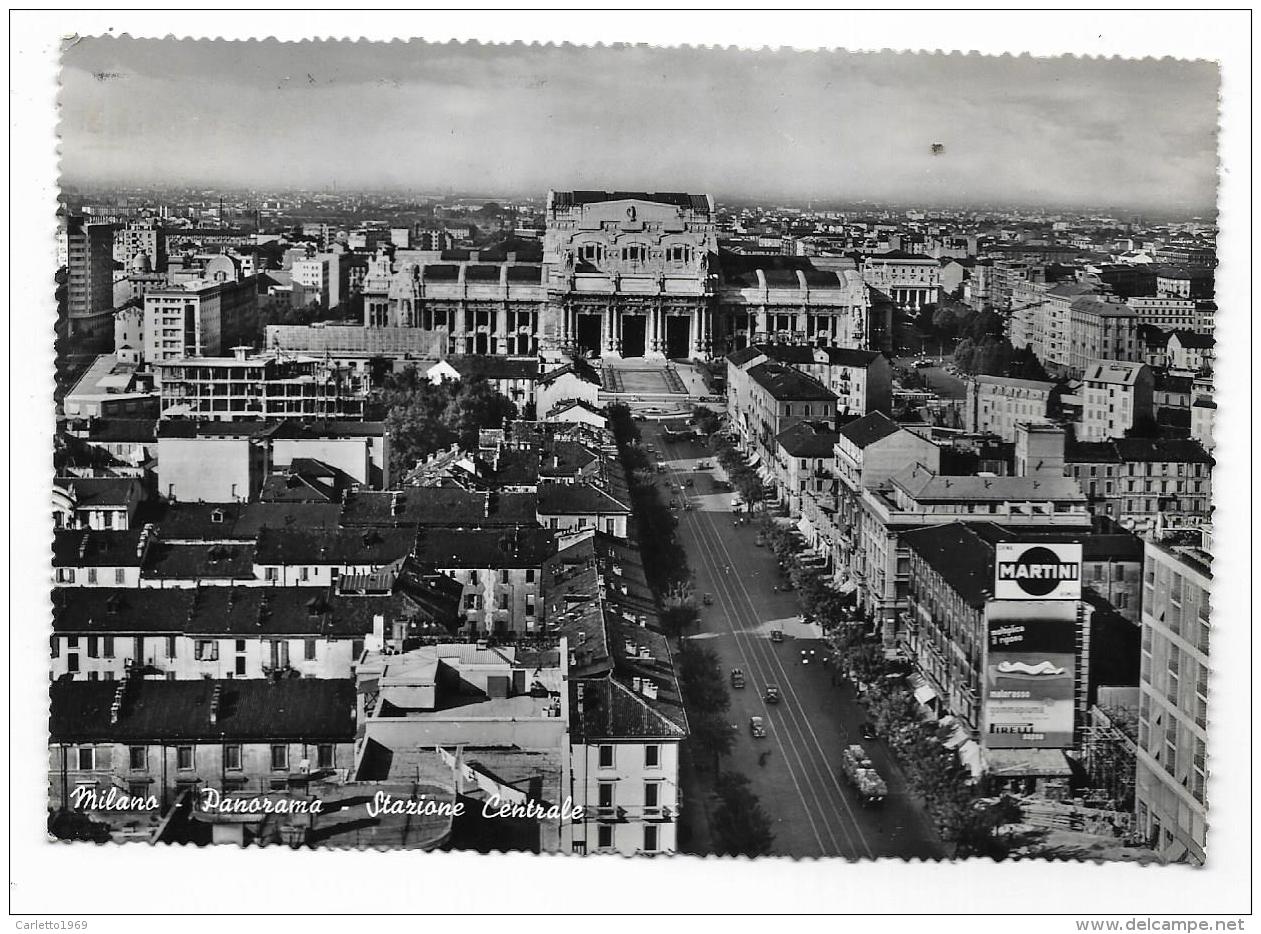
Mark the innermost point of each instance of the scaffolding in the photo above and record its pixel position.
(1110, 754)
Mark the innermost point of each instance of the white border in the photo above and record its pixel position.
(57, 881)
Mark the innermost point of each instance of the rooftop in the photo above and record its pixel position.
(787, 384)
(201, 710)
(872, 427)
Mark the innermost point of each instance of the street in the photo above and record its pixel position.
(813, 811)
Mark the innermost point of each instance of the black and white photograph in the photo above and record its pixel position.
(644, 450)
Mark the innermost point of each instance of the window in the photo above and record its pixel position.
(206, 650)
(529, 575)
(184, 758)
(503, 600)
(91, 575)
(308, 651)
(305, 573)
(472, 578)
(503, 576)
(604, 836)
(170, 646)
(324, 756)
(232, 757)
(650, 838)
(270, 574)
(279, 756)
(470, 601)
(120, 576)
(652, 756)
(604, 797)
(54, 643)
(138, 758)
(107, 646)
(94, 647)
(652, 794)
(87, 758)
(240, 645)
(72, 662)
(65, 575)
(240, 665)
(606, 757)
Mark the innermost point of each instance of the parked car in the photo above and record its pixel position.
(772, 694)
(708, 599)
(757, 727)
(777, 635)
(868, 731)
(737, 678)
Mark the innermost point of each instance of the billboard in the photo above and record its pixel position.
(1030, 674)
(1037, 572)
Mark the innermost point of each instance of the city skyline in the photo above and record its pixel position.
(792, 126)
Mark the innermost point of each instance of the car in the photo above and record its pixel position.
(661, 467)
(737, 678)
(757, 727)
(760, 541)
(708, 599)
(868, 731)
(689, 482)
(772, 694)
(674, 503)
(777, 635)
(687, 506)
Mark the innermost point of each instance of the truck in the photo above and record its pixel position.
(862, 775)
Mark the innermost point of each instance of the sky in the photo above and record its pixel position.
(518, 119)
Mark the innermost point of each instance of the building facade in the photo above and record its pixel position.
(1171, 804)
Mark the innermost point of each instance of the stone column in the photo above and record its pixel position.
(501, 329)
(460, 330)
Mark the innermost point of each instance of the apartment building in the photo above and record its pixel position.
(997, 404)
(199, 317)
(1171, 803)
(1116, 398)
(1145, 484)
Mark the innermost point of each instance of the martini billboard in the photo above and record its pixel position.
(1037, 572)
(1030, 674)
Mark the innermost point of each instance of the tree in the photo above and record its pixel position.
(944, 322)
(476, 405)
(678, 619)
(711, 735)
(741, 827)
(703, 686)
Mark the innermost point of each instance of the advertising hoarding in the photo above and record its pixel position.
(1037, 572)
(1030, 674)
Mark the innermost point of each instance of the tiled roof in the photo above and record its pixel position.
(251, 612)
(786, 384)
(1139, 450)
(196, 562)
(577, 499)
(81, 548)
(301, 546)
(170, 711)
(924, 486)
(869, 429)
(964, 559)
(101, 491)
(485, 548)
(807, 440)
(438, 506)
(484, 366)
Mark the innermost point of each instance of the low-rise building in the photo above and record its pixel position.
(1190, 352)
(157, 739)
(996, 404)
(96, 502)
(213, 461)
(111, 388)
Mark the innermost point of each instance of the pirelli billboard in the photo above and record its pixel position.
(1030, 686)
(1037, 572)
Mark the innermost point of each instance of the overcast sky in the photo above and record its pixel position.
(522, 119)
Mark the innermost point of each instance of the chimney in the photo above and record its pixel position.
(637, 684)
(215, 699)
(650, 689)
(115, 709)
(240, 351)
